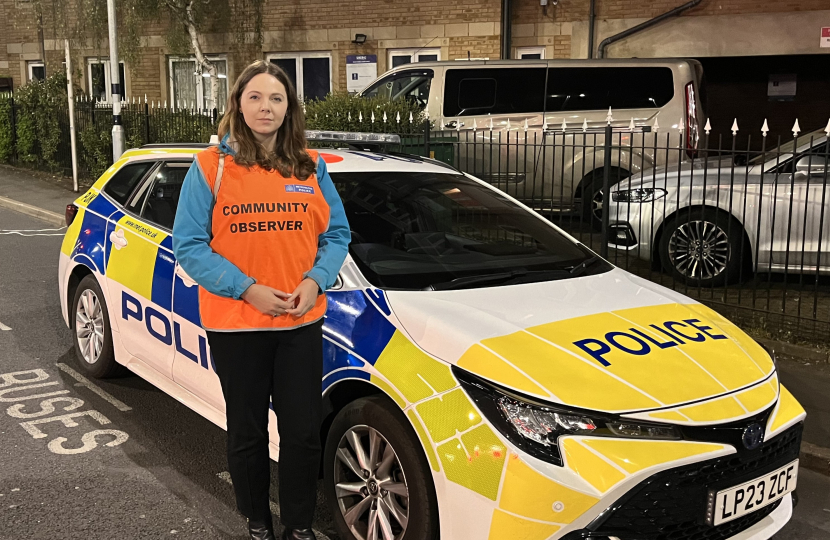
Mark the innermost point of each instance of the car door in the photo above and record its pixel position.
(140, 266)
(798, 213)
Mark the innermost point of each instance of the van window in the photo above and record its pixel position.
(494, 91)
(597, 88)
(409, 85)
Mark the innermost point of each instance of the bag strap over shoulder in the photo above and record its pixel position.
(219, 170)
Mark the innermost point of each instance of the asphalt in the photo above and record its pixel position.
(168, 478)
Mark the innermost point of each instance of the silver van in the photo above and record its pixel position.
(505, 120)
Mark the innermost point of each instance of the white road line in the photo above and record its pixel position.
(33, 230)
(275, 509)
(17, 233)
(4, 327)
(120, 405)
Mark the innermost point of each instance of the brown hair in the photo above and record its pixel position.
(289, 156)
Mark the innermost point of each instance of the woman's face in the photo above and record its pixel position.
(263, 104)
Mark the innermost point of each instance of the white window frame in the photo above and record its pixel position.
(107, 76)
(413, 53)
(200, 87)
(298, 56)
(530, 50)
(33, 64)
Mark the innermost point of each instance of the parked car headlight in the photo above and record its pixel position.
(638, 195)
(536, 427)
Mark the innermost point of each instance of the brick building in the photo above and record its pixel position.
(312, 39)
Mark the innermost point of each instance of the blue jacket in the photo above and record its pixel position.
(192, 236)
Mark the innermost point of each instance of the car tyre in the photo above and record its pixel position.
(591, 194)
(91, 332)
(400, 466)
(702, 247)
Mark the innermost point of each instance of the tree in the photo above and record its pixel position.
(190, 20)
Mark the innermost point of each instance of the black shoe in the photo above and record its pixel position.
(298, 534)
(261, 529)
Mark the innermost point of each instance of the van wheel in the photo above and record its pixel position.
(701, 247)
(92, 336)
(377, 480)
(591, 194)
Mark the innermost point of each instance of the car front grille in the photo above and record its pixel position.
(671, 505)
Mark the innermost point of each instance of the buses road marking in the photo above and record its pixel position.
(83, 381)
(275, 509)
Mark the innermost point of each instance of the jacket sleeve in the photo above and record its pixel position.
(332, 245)
(191, 240)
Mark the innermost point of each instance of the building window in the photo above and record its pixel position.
(37, 71)
(100, 80)
(530, 53)
(399, 57)
(310, 72)
(190, 83)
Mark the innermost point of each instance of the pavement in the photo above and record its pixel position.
(36, 193)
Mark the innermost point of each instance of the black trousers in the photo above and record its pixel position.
(284, 366)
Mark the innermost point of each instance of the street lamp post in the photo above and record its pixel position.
(117, 91)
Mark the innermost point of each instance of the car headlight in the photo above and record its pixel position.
(536, 427)
(638, 195)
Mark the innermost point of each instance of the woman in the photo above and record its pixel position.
(261, 229)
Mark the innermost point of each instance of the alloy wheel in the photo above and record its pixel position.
(370, 485)
(699, 249)
(89, 326)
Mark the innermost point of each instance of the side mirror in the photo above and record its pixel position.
(808, 166)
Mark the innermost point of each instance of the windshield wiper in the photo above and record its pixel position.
(579, 269)
(515, 276)
(460, 283)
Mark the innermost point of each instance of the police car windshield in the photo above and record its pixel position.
(422, 230)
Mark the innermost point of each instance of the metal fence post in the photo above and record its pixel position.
(606, 188)
(426, 139)
(14, 130)
(146, 122)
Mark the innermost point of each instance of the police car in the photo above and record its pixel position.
(486, 376)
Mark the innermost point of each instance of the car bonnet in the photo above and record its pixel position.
(611, 342)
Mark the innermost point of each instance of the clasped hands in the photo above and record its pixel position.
(273, 302)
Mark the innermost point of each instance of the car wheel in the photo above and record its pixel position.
(591, 194)
(91, 331)
(377, 480)
(701, 247)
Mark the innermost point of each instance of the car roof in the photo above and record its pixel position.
(337, 160)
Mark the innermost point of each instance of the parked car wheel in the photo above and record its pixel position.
(91, 331)
(702, 247)
(591, 194)
(376, 476)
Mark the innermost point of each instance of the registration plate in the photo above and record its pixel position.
(732, 503)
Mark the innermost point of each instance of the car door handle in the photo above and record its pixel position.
(117, 239)
(187, 280)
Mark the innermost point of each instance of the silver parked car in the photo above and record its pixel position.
(710, 221)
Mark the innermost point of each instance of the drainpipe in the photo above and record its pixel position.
(642, 26)
(592, 19)
(505, 29)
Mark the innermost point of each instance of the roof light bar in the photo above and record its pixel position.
(347, 137)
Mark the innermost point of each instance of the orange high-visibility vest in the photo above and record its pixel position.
(268, 226)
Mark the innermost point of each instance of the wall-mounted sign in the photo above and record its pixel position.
(781, 87)
(825, 36)
(361, 69)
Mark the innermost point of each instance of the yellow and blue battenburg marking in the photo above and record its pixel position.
(356, 332)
